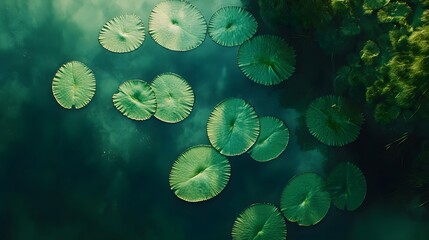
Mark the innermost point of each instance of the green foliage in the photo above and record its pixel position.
(371, 5)
(394, 12)
(369, 52)
(385, 113)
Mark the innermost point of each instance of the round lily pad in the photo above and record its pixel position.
(73, 85)
(231, 26)
(347, 186)
(333, 120)
(177, 25)
(199, 174)
(135, 99)
(272, 140)
(122, 34)
(174, 97)
(266, 59)
(259, 221)
(233, 127)
(305, 199)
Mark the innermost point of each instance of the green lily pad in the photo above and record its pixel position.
(135, 100)
(266, 59)
(333, 121)
(231, 26)
(347, 185)
(261, 222)
(73, 85)
(177, 25)
(272, 140)
(122, 34)
(199, 174)
(233, 127)
(305, 199)
(174, 97)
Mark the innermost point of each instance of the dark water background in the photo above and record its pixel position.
(95, 174)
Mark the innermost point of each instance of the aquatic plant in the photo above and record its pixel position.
(233, 127)
(73, 85)
(394, 12)
(135, 100)
(371, 5)
(272, 141)
(266, 59)
(200, 173)
(259, 221)
(369, 52)
(333, 120)
(174, 97)
(122, 34)
(177, 25)
(231, 26)
(305, 199)
(347, 186)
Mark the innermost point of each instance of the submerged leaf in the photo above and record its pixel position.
(73, 85)
(177, 25)
(266, 59)
(199, 174)
(122, 34)
(347, 185)
(333, 121)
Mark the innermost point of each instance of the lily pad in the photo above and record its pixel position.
(174, 97)
(272, 140)
(177, 25)
(259, 221)
(233, 127)
(231, 26)
(266, 59)
(73, 85)
(305, 199)
(199, 174)
(122, 34)
(347, 185)
(135, 99)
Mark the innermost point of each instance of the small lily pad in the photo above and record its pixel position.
(135, 99)
(347, 185)
(305, 199)
(259, 221)
(199, 174)
(73, 85)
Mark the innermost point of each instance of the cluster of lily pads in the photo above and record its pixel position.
(233, 127)
(306, 200)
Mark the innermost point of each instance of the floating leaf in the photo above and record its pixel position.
(122, 34)
(199, 174)
(73, 85)
(305, 199)
(231, 26)
(174, 97)
(272, 140)
(177, 25)
(333, 121)
(394, 12)
(233, 127)
(259, 221)
(266, 59)
(135, 99)
(347, 185)
(371, 5)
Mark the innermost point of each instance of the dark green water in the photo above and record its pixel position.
(95, 174)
